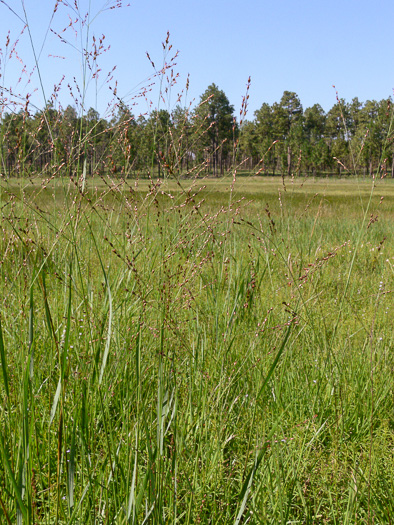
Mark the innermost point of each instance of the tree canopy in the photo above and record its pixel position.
(282, 138)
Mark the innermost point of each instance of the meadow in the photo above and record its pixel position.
(206, 351)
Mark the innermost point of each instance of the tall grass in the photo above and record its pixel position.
(167, 364)
(195, 351)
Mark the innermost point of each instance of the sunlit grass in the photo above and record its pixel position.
(214, 355)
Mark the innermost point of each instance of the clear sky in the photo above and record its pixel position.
(296, 45)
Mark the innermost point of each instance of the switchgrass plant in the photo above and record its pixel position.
(180, 358)
(191, 350)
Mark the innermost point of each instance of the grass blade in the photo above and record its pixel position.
(4, 363)
(11, 478)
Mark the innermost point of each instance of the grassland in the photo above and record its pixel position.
(214, 351)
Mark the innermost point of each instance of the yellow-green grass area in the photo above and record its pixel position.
(352, 194)
(208, 351)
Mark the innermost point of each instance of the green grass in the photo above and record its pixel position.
(196, 352)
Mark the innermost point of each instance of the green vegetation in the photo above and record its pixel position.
(216, 353)
(281, 140)
(182, 348)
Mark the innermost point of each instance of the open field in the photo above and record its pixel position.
(197, 352)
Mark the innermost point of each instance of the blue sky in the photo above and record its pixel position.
(303, 46)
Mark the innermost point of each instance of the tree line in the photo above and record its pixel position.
(283, 138)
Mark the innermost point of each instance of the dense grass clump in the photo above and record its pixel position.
(207, 352)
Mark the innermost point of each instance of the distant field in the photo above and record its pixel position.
(197, 352)
(348, 197)
(258, 186)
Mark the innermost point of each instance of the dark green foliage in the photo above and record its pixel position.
(352, 138)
